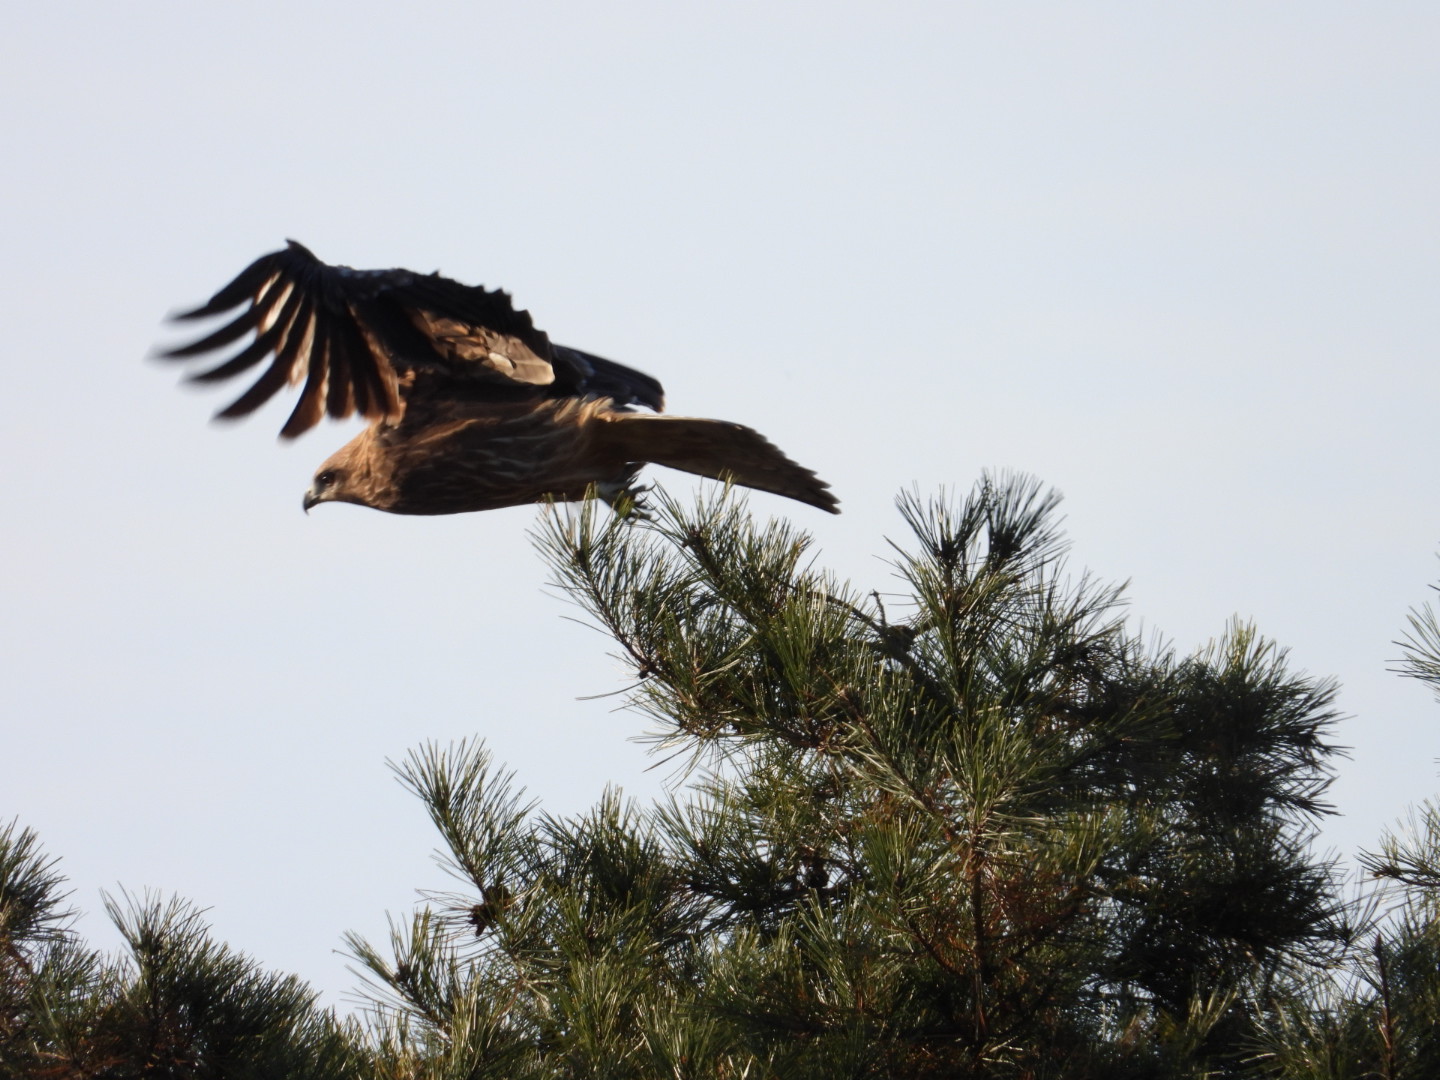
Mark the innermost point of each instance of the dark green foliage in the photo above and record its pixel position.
(1421, 646)
(975, 830)
(1378, 1014)
(44, 976)
(178, 1006)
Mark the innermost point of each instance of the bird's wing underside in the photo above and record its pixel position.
(356, 340)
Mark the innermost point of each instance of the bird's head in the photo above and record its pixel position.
(344, 477)
(329, 485)
(356, 473)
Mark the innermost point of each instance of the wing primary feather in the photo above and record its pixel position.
(339, 394)
(271, 327)
(374, 370)
(278, 373)
(311, 406)
(330, 336)
(242, 324)
(261, 391)
(356, 355)
(237, 292)
(245, 359)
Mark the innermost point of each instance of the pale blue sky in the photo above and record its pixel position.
(1179, 261)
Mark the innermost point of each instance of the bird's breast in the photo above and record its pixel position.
(486, 457)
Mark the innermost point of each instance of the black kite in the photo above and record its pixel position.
(472, 407)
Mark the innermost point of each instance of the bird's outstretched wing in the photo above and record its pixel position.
(356, 339)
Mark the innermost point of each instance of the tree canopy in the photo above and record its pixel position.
(976, 826)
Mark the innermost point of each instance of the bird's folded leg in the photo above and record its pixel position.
(626, 500)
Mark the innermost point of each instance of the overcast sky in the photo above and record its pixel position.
(1179, 261)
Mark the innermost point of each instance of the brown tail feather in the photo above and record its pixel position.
(717, 449)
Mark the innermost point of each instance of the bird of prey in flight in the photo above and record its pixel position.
(470, 406)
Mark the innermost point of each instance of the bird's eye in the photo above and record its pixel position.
(325, 479)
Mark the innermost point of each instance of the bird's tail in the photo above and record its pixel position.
(717, 449)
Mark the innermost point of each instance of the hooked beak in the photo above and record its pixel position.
(311, 500)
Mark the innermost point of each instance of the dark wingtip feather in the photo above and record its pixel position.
(245, 359)
(307, 413)
(239, 290)
(606, 377)
(261, 391)
(311, 406)
(232, 331)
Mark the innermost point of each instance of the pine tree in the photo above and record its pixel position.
(977, 828)
(177, 1006)
(1376, 1014)
(980, 829)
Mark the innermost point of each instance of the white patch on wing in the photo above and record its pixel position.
(301, 367)
(273, 305)
(507, 356)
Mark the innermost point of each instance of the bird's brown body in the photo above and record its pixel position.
(472, 408)
(490, 457)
